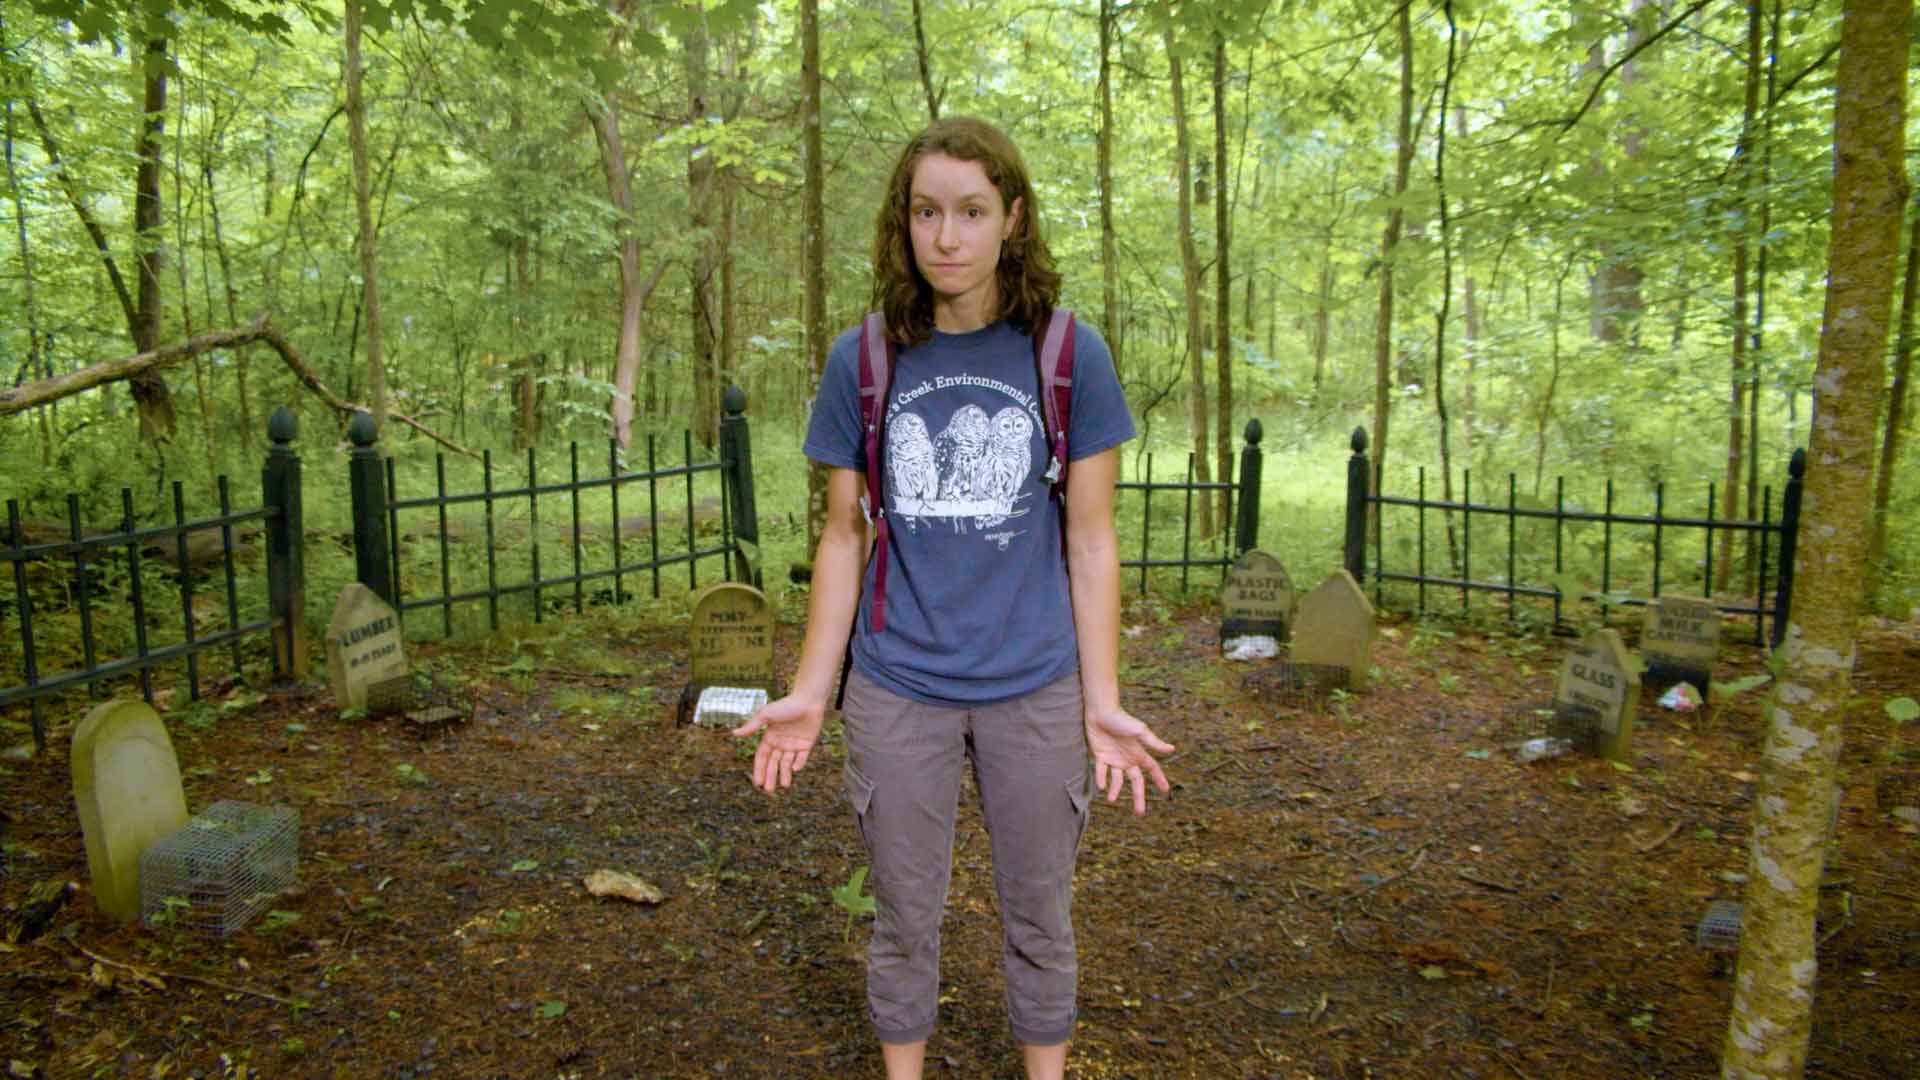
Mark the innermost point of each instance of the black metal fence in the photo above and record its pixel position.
(1242, 516)
(1776, 542)
(384, 563)
(377, 533)
(89, 582)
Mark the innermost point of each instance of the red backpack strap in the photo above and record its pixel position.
(1053, 353)
(876, 378)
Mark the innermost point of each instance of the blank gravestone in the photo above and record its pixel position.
(1333, 626)
(126, 781)
(1680, 642)
(363, 646)
(731, 648)
(1256, 600)
(1595, 696)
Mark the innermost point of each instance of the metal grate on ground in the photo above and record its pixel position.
(1578, 724)
(1299, 684)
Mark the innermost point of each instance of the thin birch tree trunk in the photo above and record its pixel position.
(1772, 1012)
(1190, 275)
(363, 208)
(926, 67)
(1222, 292)
(1389, 250)
(1893, 433)
(152, 399)
(1109, 251)
(1736, 399)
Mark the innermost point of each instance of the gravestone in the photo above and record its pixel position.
(1680, 642)
(1595, 696)
(1333, 625)
(1256, 600)
(731, 643)
(126, 782)
(363, 645)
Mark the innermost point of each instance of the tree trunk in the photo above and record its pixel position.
(1756, 356)
(1222, 292)
(51, 148)
(700, 268)
(1742, 237)
(35, 364)
(728, 361)
(233, 306)
(369, 238)
(926, 68)
(813, 259)
(1772, 1010)
(151, 397)
(1470, 340)
(1389, 250)
(1896, 417)
(633, 291)
(1617, 302)
(1190, 275)
(202, 392)
(1109, 254)
(1446, 301)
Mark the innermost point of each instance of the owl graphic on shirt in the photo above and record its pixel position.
(910, 465)
(961, 451)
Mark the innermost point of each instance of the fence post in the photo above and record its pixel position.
(370, 551)
(286, 558)
(1246, 530)
(736, 458)
(1357, 473)
(1789, 540)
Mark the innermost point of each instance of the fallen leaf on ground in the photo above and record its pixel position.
(624, 886)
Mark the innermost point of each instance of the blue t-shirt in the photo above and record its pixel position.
(977, 602)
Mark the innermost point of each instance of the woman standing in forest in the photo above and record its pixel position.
(998, 642)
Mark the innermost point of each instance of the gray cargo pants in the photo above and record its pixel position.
(904, 760)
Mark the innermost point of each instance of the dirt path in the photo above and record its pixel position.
(1367, 886)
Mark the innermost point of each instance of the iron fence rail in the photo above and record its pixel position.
(131, 542)
(1363, 502)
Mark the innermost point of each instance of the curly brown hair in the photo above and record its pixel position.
(1028, 283)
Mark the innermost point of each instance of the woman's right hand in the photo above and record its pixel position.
(789, 727)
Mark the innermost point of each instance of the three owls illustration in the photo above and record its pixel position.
(975, 459)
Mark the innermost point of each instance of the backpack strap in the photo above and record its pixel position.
(1053, 355)
(876, 380)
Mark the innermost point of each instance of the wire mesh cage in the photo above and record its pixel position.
(1299, 684)
(423, 703)
(1719, 929)
(1526, 722)
(1578, 724)
(216, 872)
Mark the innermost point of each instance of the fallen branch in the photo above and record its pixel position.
(1658, 840)
(1418, 858)
(144, 975)
(46, 391)
(1499, 886)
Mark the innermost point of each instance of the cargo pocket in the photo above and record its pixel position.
(1080, 795)
(859, 792)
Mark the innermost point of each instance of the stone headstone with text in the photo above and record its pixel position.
(1256, 599)
(126, 783)
(1680, 642)
(732, 641)
(363, 645)
(1333, 626)
(1595, 696)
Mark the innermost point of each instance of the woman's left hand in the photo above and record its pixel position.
(1123, 749)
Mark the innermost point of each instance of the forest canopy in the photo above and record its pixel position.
(1585, 238)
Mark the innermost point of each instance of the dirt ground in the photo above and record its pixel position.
(1367, 885)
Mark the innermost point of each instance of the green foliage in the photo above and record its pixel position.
(851, 899)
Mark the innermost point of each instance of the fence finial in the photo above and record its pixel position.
(1254, 432)
(360, 430)
(282, 426)
(1359, 441)
(733, 402)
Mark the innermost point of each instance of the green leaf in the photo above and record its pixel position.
(1621, 766)
(525, 865)
(849, 896)
(1723, 691)
(1433, 971)
(548, 1010)
(1903, 709)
